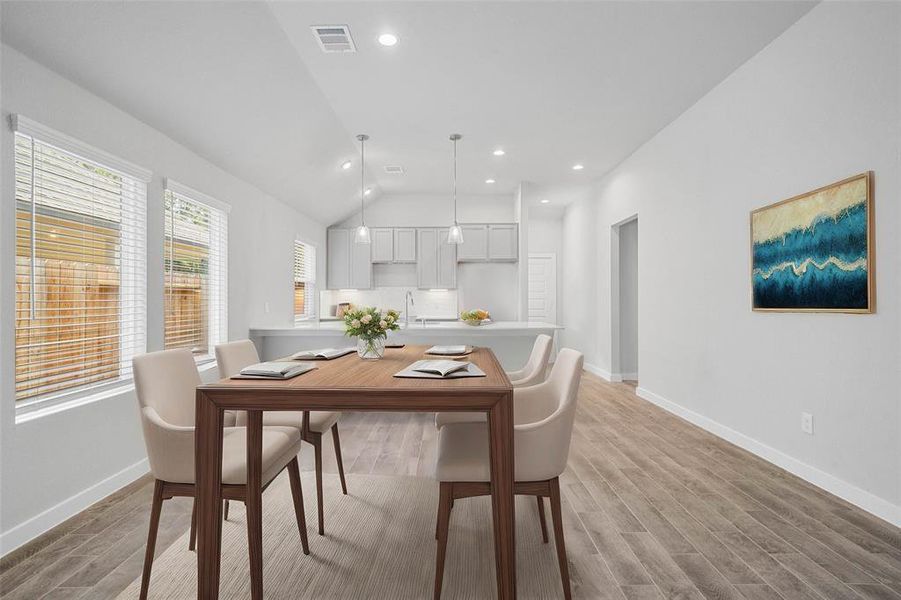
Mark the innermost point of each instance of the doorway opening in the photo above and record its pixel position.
(624, 300)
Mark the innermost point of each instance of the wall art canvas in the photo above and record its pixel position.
(814, 252)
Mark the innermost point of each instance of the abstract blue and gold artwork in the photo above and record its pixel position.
(814, 252)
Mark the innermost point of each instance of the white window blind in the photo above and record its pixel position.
(304, 281)
(196, 270)
(80, 264)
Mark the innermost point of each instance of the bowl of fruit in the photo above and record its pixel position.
(475, 317)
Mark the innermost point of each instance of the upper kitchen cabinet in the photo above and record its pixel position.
(349, 265)
(382, 245)
(405, 245)
(436, 264)
(475, 243)
(503, 242)
(496, 242)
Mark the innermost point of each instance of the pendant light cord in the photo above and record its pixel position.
(455, 180)
(362, 137)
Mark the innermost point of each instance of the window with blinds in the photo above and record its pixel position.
(80, 264)
(195, 263)
(304, 281)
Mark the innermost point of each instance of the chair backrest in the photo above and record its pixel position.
(234, 356)
(545, 414)
(166, 381)
(536, 367)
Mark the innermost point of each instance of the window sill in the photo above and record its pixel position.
(69, 400)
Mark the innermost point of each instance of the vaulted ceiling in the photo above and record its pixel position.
(245, 84)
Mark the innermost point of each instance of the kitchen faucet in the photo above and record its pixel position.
(408, 304)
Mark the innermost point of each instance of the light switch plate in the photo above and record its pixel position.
(807, 423)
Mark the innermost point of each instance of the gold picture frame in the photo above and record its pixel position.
(815, 252)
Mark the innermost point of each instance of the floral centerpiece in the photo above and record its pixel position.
(474, 317)
(370, 326)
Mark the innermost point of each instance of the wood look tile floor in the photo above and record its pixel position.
(653, 507)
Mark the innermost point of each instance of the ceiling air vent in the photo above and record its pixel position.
(394, 169)
(334, 38)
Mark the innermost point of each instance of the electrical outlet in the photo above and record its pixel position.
(807, 423)
(266, 307)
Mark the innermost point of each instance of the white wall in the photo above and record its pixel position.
(50, 464)
(820, 103)
(429, 210)
(628, 300)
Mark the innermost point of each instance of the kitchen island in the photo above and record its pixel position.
(511, 341)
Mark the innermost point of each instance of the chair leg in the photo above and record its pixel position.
(337, 443)
(225, 512)
(557, 517)
(155, 508)
(192, 537)
(446, 494)
(297, 494)
(316, 440)
(541, 518)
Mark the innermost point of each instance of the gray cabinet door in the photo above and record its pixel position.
(447, 262)
(503, 242)
(427, 258)
(360, 265)
(338, 258)
(404, 245)
(475, 243)
(382, 245)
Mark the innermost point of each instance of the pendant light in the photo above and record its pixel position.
(455, 233)
(362, 234)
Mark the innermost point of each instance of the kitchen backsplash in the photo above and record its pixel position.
(427, 303)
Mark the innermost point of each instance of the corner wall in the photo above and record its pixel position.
(821, 103)
(56, 465)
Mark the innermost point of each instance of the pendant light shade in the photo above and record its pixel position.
(361, 236)
(455, 233)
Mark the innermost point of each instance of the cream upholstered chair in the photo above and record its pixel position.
(234, 356)
(530, 374)
(543, 417)
(165, 383)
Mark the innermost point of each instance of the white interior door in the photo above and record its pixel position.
(543, 288)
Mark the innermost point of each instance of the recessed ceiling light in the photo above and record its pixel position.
(545, 201)
(387, 39)
(499, 152)
(489, 181)
(578, 167)
(346, 165)
(367, 192)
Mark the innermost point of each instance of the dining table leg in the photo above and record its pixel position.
(208, 485)
(500, 428)
(254, 501)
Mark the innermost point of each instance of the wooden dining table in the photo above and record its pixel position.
(348, 383)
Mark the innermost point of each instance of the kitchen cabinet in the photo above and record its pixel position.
(349, 265)
(436, 260)
(475, 243)
(382, 245)
(405, 245)
(496, 242)
(503, 242)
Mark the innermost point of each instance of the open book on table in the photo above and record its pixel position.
(274, 370)
(441, 369)
(322, 353)
(449, 350)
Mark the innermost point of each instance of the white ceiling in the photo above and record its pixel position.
(552, 83)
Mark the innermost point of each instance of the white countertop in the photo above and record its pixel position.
(329, 328)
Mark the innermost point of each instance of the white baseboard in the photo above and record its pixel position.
(28, 530)
(602, 373)
(861, 498)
